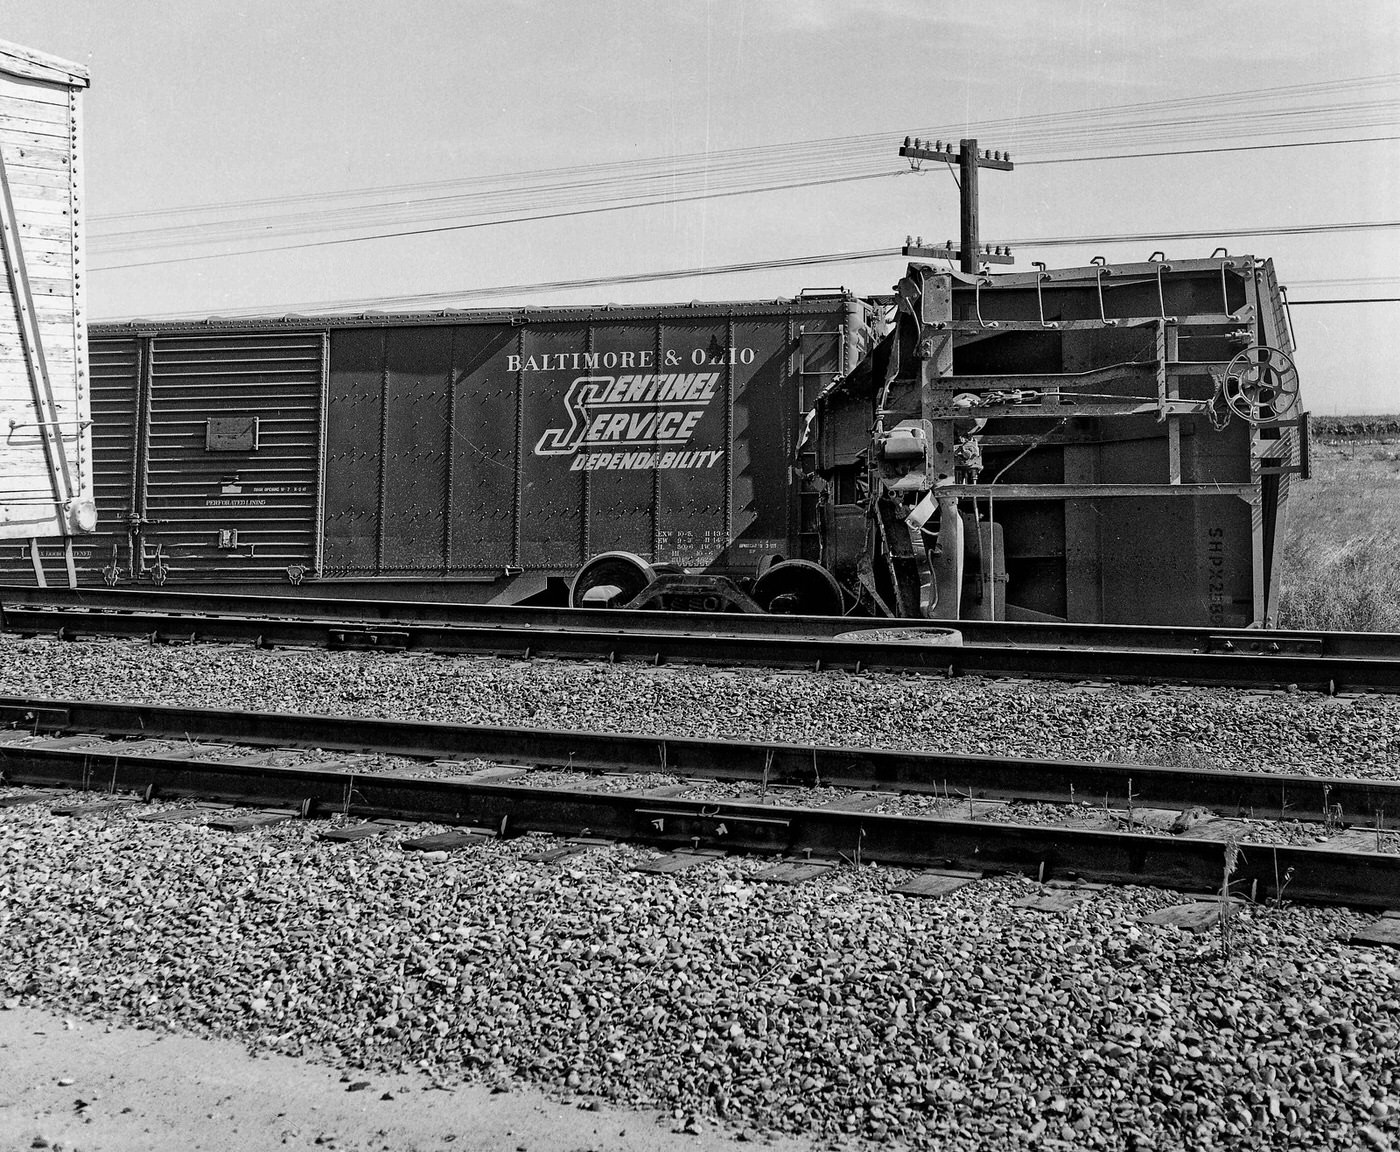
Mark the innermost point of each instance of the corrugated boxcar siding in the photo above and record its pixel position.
(116, 388)
(115, 382)
(116, 422)
(268, 495)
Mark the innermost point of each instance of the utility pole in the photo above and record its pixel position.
(968, 159)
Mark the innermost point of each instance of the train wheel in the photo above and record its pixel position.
(610, 580)
(798, 588)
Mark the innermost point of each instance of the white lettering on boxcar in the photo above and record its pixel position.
(644, 410)
(713, 356)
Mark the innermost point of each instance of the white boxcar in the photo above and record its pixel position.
(46, 461)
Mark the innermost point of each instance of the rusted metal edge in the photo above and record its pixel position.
(954, 775)
(1315, 874)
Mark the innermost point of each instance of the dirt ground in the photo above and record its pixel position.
(80, 1086)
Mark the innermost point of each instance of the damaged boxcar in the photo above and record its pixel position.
(1112, 443)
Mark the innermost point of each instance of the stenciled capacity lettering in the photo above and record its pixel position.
(1215, 576)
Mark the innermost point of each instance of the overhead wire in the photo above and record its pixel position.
(1054, 121)
(552, 193)
(1349, 300)
(1208, 122)
(1210, 151)
(509, 204)
(427, 300)
(710, 194)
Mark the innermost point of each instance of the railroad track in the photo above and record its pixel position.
(1321, 661)
(946, 813)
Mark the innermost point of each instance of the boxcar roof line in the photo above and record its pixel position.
(16, 60)
(599, 313)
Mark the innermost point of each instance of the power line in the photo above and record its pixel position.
(1351, 281)
(1301, 229)
(491, 223)
(294, 225)
(429, 298)
(586, 282)
(1210, 234)
(1210, 151)
(1354, 300)
(1076, 125)
(548, 194)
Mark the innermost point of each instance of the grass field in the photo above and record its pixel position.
(1341, 565)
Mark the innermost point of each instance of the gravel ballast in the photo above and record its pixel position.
(1280, 731)
(834, 1009)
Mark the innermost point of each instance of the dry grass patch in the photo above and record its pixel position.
(1341, 562)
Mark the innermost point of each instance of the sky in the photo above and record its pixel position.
(237, 154)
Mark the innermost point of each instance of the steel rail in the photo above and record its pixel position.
(308, 606)
(1236, 669)
(1263, 795)
(1363, 879)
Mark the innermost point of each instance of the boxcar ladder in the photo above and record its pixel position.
(45, 410)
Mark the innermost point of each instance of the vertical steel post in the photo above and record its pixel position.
(660, 348)
(146, 414)
(585, 527)
(936, 397)
(1170, 353)
(730, 333)
(383, 493)
(318, 540)
(449, 464)
(518, 496)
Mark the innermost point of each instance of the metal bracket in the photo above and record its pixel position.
(79, 424)
(977, 303)
(1099, 274)
(1042, 275)
(34, 719)
(1163, 267)
(1265, 645)
(366, 640)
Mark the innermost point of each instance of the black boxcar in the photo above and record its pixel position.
(462, 455)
